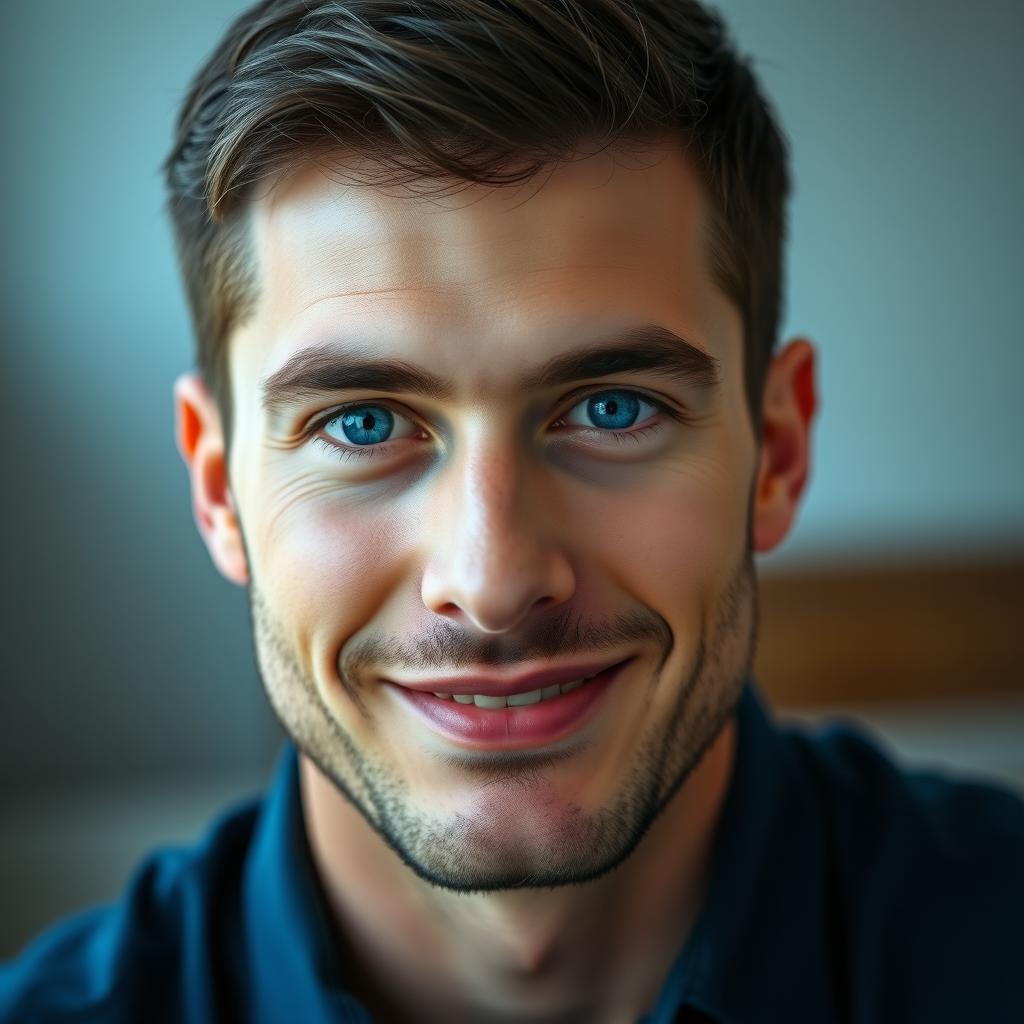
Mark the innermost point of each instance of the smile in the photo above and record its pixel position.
(518, 721)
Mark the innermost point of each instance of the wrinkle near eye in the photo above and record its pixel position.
(297, 491)
(292, 494)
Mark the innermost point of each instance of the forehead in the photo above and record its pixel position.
(482, 276)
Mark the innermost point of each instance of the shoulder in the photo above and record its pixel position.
(117, 963)
(955, 815)
(927, 879)
(884, 809)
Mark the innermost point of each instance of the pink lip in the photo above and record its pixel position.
(515, 728)
(496, 686)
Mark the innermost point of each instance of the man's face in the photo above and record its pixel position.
(497, 525)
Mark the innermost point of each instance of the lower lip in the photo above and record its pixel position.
(516, 728)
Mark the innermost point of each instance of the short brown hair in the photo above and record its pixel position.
(488, 91)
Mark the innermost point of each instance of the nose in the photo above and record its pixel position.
(493, 552)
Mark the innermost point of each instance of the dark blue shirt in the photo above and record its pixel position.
(843, 890)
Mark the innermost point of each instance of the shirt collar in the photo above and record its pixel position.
(758, 949)
(291, 942)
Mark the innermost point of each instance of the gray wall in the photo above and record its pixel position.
(123, 648)
(126, 653)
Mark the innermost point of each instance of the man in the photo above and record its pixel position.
(490, 421)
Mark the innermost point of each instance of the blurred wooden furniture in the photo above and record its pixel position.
(891, 633)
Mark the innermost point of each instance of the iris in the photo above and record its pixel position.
(614, 409)
(367, 424)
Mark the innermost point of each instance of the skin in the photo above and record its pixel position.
(477, 888)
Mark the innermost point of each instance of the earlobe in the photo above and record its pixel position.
(200, 440)
(790, 403)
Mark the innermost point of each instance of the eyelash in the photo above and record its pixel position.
(346, 452)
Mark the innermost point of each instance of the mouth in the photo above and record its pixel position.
(516, 721)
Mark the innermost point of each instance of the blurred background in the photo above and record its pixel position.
(131, 710)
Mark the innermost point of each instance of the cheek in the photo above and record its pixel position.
(327, 567)
(672, 544)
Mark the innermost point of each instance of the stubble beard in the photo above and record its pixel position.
(486, 853)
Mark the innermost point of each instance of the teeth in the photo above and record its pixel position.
(531, 697)
(482, 700)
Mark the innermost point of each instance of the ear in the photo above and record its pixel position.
(201, 443)
(790, 401)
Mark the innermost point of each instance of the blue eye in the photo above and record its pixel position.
(365, 425)
(612, 410)
(364, 429)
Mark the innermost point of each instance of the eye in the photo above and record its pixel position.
(612, 410)
(358, 429)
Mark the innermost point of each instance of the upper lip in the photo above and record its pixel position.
(498, 686)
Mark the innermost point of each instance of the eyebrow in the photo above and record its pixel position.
(651, 348)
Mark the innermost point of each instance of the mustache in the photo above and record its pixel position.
(446, 645)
